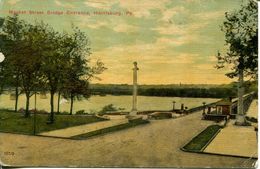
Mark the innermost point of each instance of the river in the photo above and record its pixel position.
(96, 103)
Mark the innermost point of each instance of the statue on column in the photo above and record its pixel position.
(134, 106)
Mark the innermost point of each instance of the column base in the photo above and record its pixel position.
(133, 113)
(241, 121)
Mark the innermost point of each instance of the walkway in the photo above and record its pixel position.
(82, 129)
(236, 140)
(153, 145)
(253, 109)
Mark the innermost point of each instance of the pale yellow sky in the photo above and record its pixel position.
(173, 41)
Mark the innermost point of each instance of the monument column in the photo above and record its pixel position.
(134, 106)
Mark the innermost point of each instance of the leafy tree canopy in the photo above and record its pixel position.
(241, 32)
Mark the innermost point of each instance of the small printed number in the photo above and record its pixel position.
(10, 153)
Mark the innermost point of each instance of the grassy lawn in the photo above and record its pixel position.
(198, 142)
(111, 129)
(16, 123)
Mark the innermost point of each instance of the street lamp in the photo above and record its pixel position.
(42, 96)
(34, 115)
(173, 106)
(204, 106)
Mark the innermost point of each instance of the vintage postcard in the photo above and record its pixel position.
(129, 83)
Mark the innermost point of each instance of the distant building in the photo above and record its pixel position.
(223, 107)
(219, 111)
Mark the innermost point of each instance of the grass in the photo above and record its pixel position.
(111, 129)
(201, 140)
(15, 122)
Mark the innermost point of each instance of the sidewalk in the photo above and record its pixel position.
(253, 109)
(82, 129)
(236, 140)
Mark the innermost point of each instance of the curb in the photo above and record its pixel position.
(212, 138)
(202, 149)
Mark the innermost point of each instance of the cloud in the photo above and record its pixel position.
(182, 58)
(168, 67)
(182, 34)
(154, 53)
(142, 8)
(100, 4)
(138, 8)
(212, 59)
(174, 29)
(207, 16)
(125, 28)
(169, 13)
(63, 4)
(178, 41)
(13, 2)
(205, 67)
(95, 25)
(170, 29)
(118, 26)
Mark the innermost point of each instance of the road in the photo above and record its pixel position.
(153, 145)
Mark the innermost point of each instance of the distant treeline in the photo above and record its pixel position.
(204, 91)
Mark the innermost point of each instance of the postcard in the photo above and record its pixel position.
(129, 83)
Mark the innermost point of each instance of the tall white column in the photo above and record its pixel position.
(134, 106)
(240, 118)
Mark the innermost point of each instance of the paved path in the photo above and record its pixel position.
(236, 140)
(152, 145)
(253, 109)
(82, 129)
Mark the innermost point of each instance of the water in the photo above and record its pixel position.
(96, 103)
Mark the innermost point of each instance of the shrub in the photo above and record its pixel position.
(251, 119)
(161, 115)
(21, 110)
(108, 108)
(43, 111)
(80, 112)
(64, 112)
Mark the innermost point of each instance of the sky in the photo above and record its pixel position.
(173, 41)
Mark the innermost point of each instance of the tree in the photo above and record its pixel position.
(76, 89)
(29, 62)
(78, 71)
(53, 62)
(241, 32)
(21, 46)
(40, 58)
(11, 38)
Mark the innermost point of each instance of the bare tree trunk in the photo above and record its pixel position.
(52, 107)
(71, 104)
(240, 118)
(16, 98)
(58, 103)
(27, 112)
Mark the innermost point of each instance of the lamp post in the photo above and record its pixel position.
(204, 106)
(34, 115)
(173, 105)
